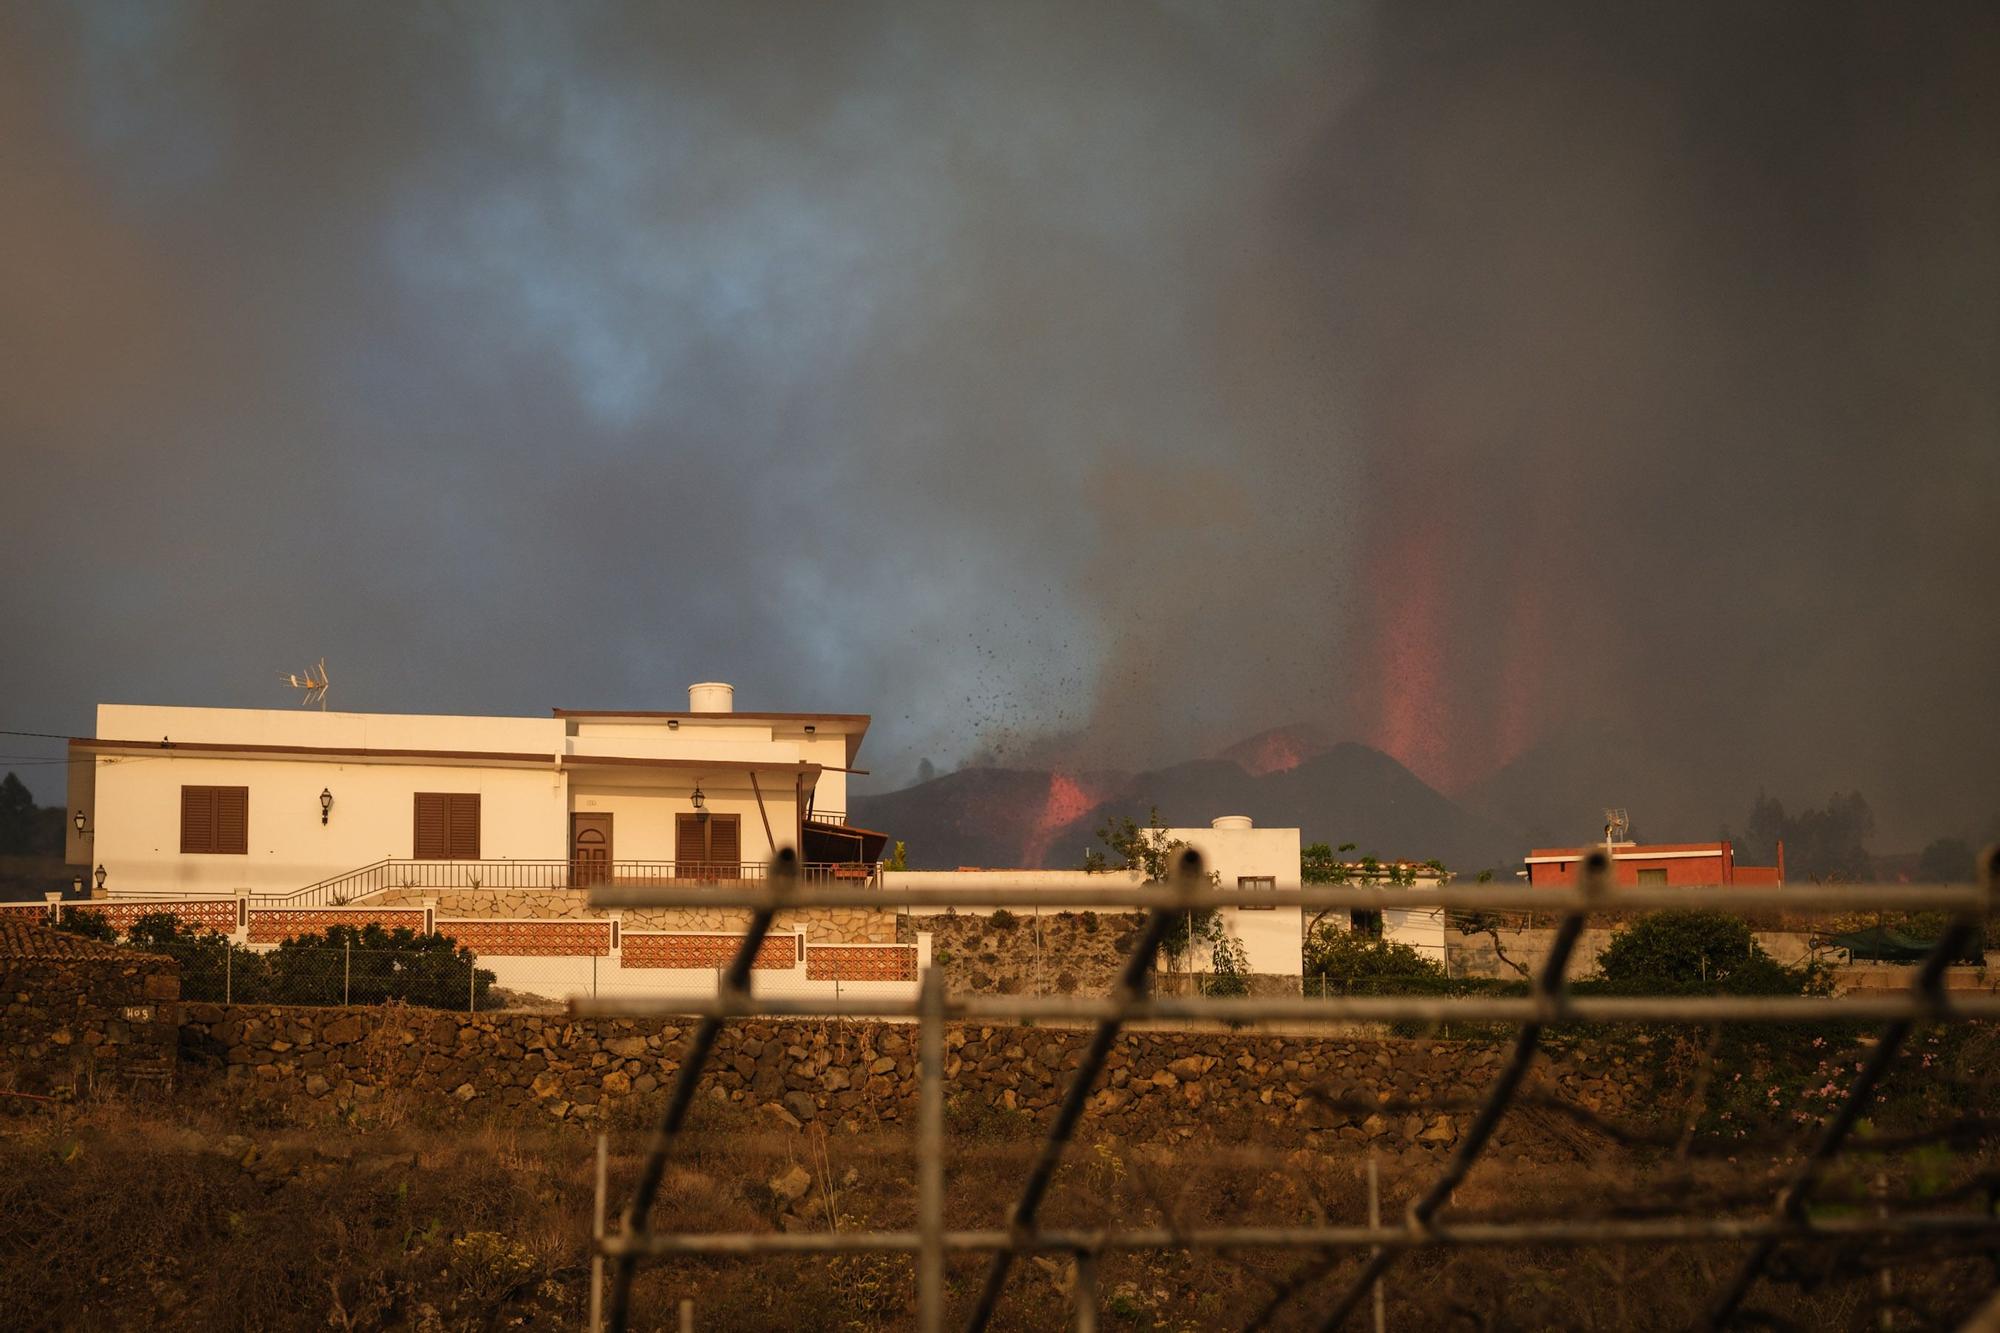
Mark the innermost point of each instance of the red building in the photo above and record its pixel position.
(1655, 863)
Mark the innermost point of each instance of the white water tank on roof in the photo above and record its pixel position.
(711, 696)
(1229, 821)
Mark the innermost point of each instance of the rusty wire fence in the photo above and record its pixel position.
(1339, 1267)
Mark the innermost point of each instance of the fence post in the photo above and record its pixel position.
(346, 971)
(228, 972)
(471, 983)
(597, 1259)
(1375, 1220)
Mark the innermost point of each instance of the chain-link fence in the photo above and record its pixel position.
(1341, 1268)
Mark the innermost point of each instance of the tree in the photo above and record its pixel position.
(1354, 962)
(1821, 845)
(900, 859)
(90, 925)
(1946, 861)
(1686, 952)
(17, 817)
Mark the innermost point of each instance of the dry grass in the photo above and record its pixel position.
(185, 1217)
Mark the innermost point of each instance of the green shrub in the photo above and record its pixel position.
(1344, 958)
(91, 925)
(1698, 953)
(1004, 920)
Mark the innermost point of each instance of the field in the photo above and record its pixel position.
(208, 1213)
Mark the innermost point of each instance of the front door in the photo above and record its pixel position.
(589, 849)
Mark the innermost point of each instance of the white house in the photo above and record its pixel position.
(1240, 855)
(178, 802)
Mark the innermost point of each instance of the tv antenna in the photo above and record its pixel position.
(1616, 825)
(312, 681)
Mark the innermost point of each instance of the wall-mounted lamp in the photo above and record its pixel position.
(325, 803)
(810, 728)
(82, 824)
(673, 724)
(698, 799)
(76, 885)
(100, 879)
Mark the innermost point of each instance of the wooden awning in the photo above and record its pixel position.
(842, 842)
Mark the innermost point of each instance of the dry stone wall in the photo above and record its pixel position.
(1053, 953)
(1156, 1085)
(105, 1020)
(1009, 953)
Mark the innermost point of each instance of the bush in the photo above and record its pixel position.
(91, 925)
(1698, 953)
(1003, 920)
(344, 965)
(1344, 958)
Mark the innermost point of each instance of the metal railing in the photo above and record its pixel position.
(382, 876)
(1790, 1220)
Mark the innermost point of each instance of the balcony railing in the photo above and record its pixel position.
(383, 876)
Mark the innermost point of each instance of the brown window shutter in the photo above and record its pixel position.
(432, 840)
(232, 820)
(464, 826)
(690, 844)
(725, 845)
(215, 820)
(197, 819)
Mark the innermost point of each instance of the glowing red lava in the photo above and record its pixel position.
(1067, 801)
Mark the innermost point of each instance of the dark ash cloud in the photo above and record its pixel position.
(1100, 383)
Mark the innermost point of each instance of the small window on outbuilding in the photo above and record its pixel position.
(1257, 882)
(1655, 875)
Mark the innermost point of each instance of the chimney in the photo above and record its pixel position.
(711, 696)
(1229, 822)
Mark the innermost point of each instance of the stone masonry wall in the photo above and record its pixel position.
(1157, 1084)
(73, 1023)
(1472, 955)
(1062, 953)
(1056, 953)
(826, 925)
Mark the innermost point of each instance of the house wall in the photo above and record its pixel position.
(523, 816)
(309, 726)
(1272, 940)
(643, 818)
(132, 802)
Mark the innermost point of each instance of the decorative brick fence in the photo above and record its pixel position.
(529, 939)
(647, 949)
(80, 1014)
(861, 962)
(276, 925)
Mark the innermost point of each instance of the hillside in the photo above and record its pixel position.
(1037, 818)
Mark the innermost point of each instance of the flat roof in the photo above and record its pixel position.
(683, 715)
(490, 757)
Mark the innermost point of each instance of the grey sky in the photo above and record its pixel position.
(1088, 383)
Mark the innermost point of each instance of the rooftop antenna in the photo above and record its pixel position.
(312, 681)
(1616, 825)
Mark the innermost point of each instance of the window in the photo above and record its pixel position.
(707, 847)
(447, 826)
(1257, 882)
(1656, 876)
(215, 821)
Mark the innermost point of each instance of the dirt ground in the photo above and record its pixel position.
(204, 1215)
